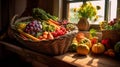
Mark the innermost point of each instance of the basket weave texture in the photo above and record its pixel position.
(56, 46)
(113, 35)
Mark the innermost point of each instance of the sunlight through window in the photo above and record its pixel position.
(112, 10)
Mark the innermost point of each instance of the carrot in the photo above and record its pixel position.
(42, 38)
(55, 25)
(55, 22)
(28, 35)
(50, 36)
(23, 37)
(45, 34)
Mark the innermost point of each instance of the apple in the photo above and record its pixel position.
(106, 42)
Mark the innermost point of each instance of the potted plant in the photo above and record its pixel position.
(111, 30)
(84, 12)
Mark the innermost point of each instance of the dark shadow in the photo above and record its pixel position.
(13, 61)
(78, 56)
(90, 62)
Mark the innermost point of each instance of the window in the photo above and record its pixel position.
(107, 12)
(112, 12)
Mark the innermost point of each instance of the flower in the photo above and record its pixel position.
(87, 10)
(111, 25)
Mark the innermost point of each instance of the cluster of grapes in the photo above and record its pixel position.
(33, 27)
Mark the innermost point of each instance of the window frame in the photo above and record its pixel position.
(66, 6)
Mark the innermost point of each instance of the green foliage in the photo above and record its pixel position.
(47, 27)
(93, 32)
(87, 10)
(39, 14)
(70, 26)
(109, 27)
(73, 47)
(112, 25)
(42, 15)
(117, 47)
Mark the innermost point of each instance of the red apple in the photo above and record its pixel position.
(106, 42)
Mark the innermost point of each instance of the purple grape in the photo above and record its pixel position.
(33, 27)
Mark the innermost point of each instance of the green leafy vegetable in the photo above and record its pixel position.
(47, 27)
(93, 32)
(43, 15)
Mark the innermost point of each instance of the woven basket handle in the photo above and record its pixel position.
(16, 19)
(13, 21)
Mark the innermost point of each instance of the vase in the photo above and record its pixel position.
(83, 24)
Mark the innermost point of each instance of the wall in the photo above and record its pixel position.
(0, 15)
(47, 5)
(20, 6)
(57, 11)
(7, 10)
(118, 11)
(4, 15)
(55, 6)
(28, 5)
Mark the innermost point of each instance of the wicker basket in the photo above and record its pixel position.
(113, 35)
(57, 46)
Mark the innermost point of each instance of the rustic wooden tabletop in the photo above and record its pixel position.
(65, 60)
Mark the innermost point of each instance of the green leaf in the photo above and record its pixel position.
(93, 32)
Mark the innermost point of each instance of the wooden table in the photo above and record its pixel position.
(65, 60)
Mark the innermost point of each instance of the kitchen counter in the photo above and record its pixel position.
(66, 60)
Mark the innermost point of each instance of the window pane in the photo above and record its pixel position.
(101, 12)
(112, 9)
(74, 19)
